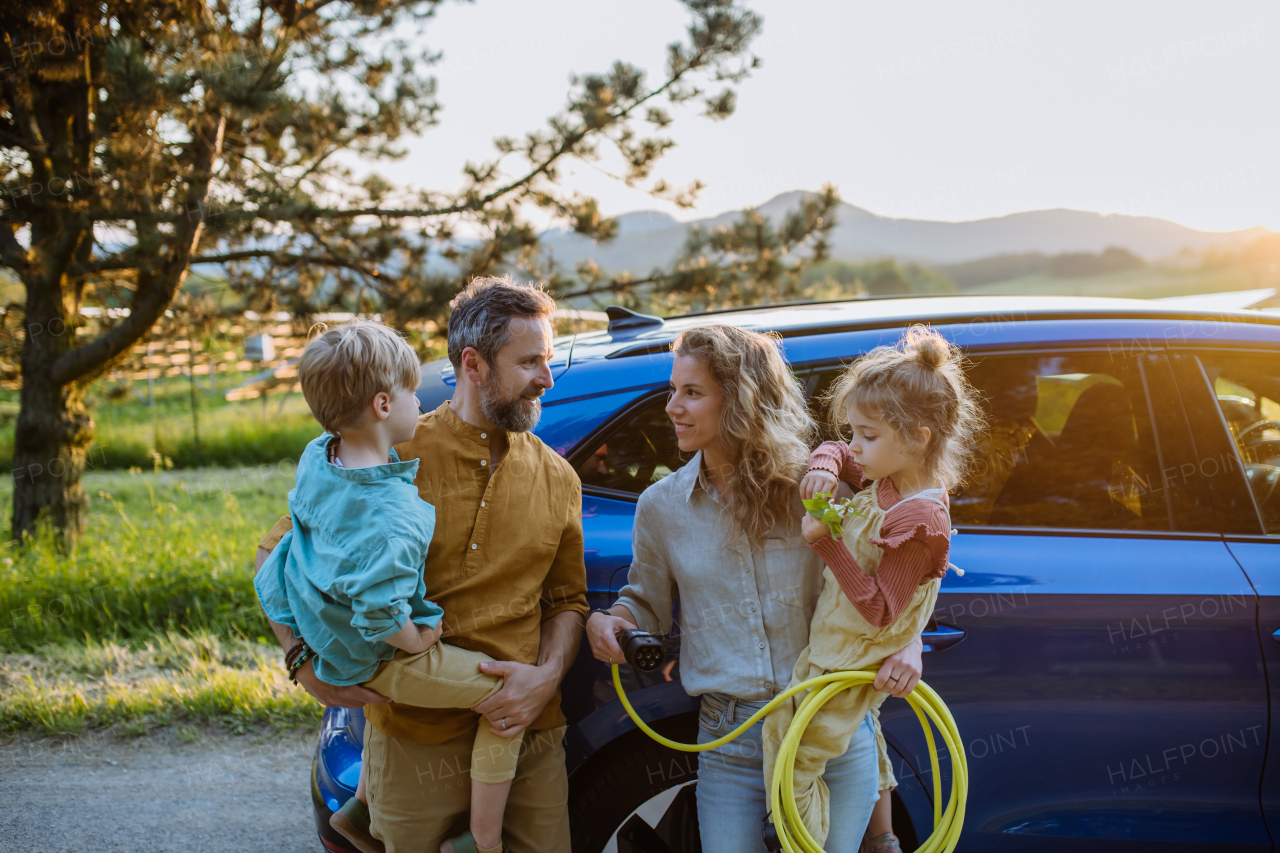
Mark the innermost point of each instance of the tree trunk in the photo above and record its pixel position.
(54, 428)
(52, 436)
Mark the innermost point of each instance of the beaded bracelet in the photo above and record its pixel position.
(292, 653)
(297, 665)
(296, 657)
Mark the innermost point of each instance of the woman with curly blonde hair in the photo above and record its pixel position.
(722, 535)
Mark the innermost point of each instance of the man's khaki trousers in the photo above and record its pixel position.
(420, 795)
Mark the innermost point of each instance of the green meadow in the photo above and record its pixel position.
(1152, 282)
(128, 432)
(152, 619)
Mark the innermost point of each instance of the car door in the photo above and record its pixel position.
(1108, 685)
(1236, 396)
(616, 464)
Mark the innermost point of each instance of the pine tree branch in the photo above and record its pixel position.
(9, 136)
(123, 260)
(12, 255)
(128, 260)
(31, 138)
(289, 258)
(289, 213)
(155, 292)
(311, 9)
(616, 285)
(62, 256)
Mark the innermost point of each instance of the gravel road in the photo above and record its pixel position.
(156, 794)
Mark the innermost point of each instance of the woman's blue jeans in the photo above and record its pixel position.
(732, 800)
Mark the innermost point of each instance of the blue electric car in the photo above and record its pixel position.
(1108, 653)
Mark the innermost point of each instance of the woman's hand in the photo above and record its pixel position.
(816, 481)
(901, 670)
(813, 530)
(602, 633)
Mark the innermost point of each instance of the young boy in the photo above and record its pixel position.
(348, 578)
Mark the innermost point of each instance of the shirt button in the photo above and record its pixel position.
(473, 547)
(481, 503)
(483, 435)
(761, 645)
(768, 685)
(484, 461)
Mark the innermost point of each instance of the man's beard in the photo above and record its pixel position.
(511, 415)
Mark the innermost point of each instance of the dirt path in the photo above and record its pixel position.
(219, 793)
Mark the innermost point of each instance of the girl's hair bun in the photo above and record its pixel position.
(926, 347)
(918, 383)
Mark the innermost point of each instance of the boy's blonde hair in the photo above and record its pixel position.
(342, 370)
(920, 382)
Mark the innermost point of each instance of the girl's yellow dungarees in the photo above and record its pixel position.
(840, 638)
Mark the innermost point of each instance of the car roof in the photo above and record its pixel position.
(840, 315)
(794, 320)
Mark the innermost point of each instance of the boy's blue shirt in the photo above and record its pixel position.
(350, 572)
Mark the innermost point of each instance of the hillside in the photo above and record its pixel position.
(1150, 283)
(648, 239)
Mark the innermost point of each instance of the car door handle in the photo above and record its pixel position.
(940, 637)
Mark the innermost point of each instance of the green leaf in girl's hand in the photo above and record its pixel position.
(831, 513)
(817, 503)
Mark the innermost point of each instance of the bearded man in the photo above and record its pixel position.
(505, 563)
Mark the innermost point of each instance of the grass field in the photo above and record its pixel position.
(136, 686)
(1152, 282)
(127, 431)
(152, 619)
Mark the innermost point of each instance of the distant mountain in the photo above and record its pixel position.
(648, 239)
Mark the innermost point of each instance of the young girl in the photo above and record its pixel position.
(913, 416)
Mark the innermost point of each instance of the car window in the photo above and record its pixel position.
(819, 387)
(638, 451)
(1248, 392)
(1069, 444)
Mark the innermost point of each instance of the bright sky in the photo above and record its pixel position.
(947, 111)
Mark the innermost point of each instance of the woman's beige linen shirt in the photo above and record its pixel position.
(744, 611)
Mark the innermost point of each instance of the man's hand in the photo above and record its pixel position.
(901, 670)
(529, 687)
(333, 696)
(527, 691)
(817, 480)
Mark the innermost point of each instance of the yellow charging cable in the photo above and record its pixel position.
(792, 833)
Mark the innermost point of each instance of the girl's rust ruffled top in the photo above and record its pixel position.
(915, 537)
